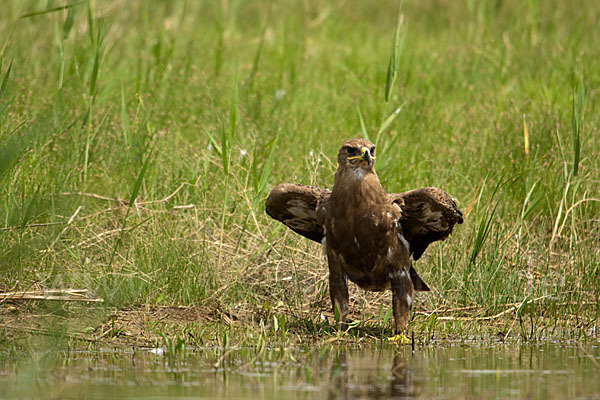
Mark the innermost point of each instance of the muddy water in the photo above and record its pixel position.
(455, 372)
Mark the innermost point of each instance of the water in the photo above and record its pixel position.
(504, 372)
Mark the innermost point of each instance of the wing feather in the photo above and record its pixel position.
(428, 215)
(295, 206)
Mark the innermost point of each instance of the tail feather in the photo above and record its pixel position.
(418, 283)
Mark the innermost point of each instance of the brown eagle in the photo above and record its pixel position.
(367, 234)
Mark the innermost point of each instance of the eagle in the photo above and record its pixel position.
(367, 234)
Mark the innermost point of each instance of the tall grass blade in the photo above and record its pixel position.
(4, 81)
(97, 42)
(256, 59)
(51, 10)
(97, 55)
(559, 214)
(525, 137)
(363, 127)
(482, 234)
(227, 135)
(392, 71)
(267, 167)
(90, 18)
(125, 118)
(134, 194)
(221, 32)
(389, 120)
(394, 62)
(263, 36)
(68, 24)
(476, 194)
(213, 142)
(61, 55)
(528, 203)
(485, 224)
(577, 124)
(11, 151)
(225, 151)
(233, 110)
(388, 314)
(219, 54)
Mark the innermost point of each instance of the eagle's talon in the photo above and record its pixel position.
(399, 339)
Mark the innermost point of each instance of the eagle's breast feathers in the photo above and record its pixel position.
(361, 224)
(367, 235)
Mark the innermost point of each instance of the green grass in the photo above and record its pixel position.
(139, 139)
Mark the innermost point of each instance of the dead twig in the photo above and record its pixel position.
(511, 307)
(51, 294)
(123, 204)
(95, 196)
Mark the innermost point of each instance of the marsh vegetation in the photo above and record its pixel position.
(139, 139)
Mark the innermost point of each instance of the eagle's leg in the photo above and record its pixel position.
(402, 294)
(338, 291)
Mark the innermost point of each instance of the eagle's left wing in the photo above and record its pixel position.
(428, 215)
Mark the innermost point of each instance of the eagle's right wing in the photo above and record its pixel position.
(295, 206)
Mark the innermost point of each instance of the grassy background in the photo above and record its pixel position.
(145, 135)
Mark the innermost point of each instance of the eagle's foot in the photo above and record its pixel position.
(399, 339)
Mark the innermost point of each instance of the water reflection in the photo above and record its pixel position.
(401, 379)
(553, 372)
(351, 379)
(339, 377)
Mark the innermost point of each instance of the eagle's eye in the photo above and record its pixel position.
(372, 151)
(352, 150)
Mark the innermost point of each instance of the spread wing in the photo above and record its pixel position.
(295, 206)
(428, 215)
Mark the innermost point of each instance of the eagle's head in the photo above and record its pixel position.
(357, 154)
